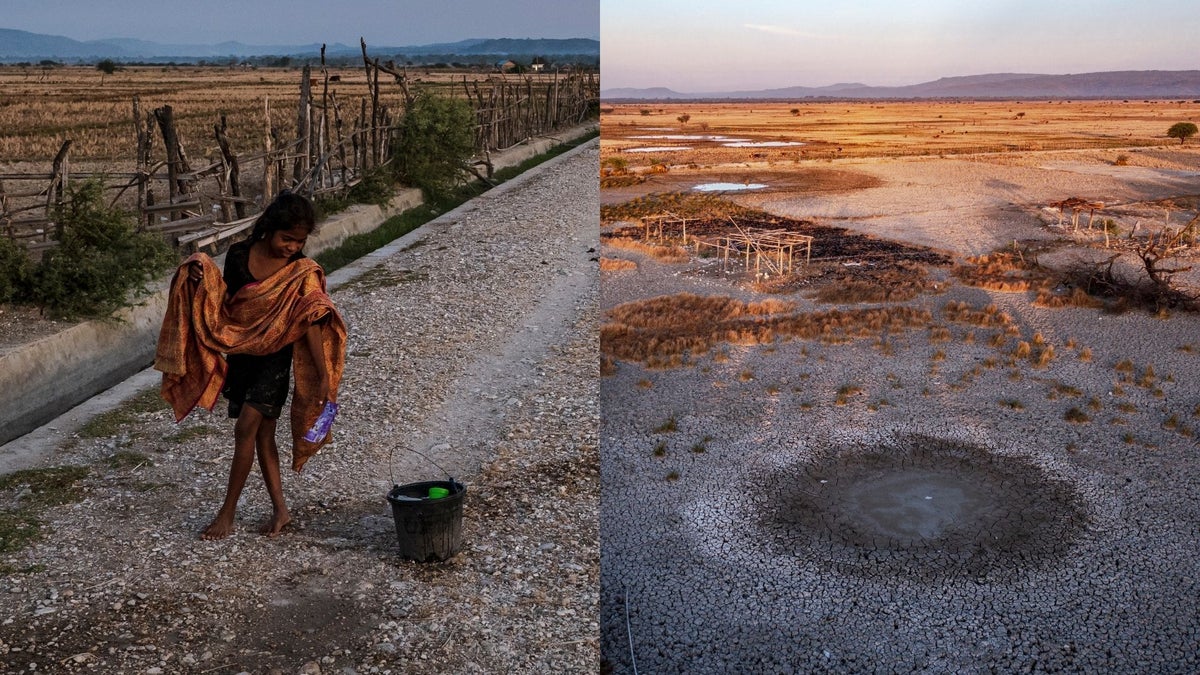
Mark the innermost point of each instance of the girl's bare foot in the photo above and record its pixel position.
(274, 526)
(219, 528)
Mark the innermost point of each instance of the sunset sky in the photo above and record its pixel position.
(269, 22)
(694, 46)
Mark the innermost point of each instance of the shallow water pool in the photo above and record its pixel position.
(721, 187)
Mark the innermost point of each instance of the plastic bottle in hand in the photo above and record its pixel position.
(320, 428)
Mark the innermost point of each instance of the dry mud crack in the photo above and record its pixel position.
(475, 343)
(945, 496)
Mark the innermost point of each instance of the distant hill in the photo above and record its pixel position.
(1116, 84)
(18, 45)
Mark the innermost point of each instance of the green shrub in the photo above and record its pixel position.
(101, 258)
(14, 271)
(376, 187)
(432, 142)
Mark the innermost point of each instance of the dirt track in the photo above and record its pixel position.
(472, 341)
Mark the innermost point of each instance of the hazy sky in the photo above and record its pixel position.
(714, 45)
(381, 22)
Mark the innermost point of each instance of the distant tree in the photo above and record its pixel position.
(795, 111)
(683, 119)
(1182, 131)
(107, 66)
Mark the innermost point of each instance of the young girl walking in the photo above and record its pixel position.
(270, 314)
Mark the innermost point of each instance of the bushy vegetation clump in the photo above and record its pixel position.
(14, 271)
(432, 143)
(1182, 131)
(100, 260)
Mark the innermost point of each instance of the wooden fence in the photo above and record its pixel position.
(339, 140)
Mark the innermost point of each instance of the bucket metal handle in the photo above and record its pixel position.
(392, 463)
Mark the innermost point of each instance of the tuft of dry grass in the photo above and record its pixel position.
(1076, 416)
(616, 265)
(988, 317)
(1044, 357)
(1006, 272)
(1076, 297)
(1063, 389)
(900, 283)
(659, 331)
(939, 334)
(668, 426)
(845, 392)
(663, 253)
(608, 366)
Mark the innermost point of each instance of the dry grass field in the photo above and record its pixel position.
(830, 130)
(42, 108)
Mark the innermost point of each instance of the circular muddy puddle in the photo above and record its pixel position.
(915, 504)
(921, 506)
(723, 187)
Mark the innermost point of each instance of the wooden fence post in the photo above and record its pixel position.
(231, 173)
(269, 168)
(176, 160)
(303, 131)
(58, 180)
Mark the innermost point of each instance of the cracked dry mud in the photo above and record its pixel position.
(754, 495)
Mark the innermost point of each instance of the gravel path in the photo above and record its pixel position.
(745, 517)
(472, 341)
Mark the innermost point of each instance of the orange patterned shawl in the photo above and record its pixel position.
(261, 318)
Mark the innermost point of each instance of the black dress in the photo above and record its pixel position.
(260, 382)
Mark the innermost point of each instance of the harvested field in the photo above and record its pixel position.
(43, 107)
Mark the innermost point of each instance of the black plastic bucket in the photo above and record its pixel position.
(428, 529)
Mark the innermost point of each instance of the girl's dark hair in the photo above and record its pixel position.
(287, 211)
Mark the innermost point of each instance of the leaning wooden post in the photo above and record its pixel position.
(374, 87)
(231, 175)
(176, 163)
(54, 193)
(326, 139)
(140, 161)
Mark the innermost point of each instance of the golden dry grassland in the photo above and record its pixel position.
(42, 107)
(881, 129)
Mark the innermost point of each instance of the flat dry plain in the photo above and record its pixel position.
(928, 449)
